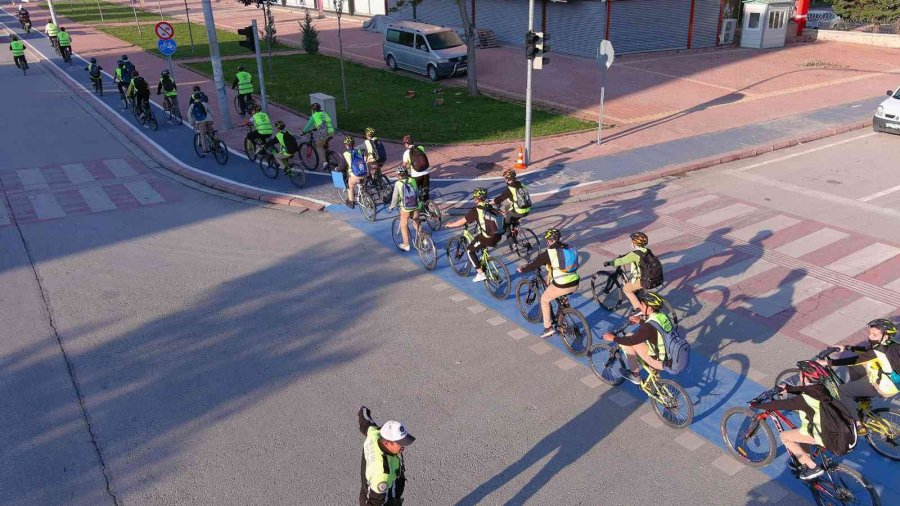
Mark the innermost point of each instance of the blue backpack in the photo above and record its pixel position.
(199, 111)
(127, 71)
(568, 259)
(358, 165)
(678, 350)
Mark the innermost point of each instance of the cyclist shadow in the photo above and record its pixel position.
(561, 448)
(772, 492)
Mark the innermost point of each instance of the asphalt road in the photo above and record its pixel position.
(166, 345)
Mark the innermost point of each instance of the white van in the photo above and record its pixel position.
(425, 49)
(887, 115)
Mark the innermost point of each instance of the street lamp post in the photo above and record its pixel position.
(338, 8)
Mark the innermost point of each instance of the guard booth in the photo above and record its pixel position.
(765, 23)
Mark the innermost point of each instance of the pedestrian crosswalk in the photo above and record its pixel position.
(47, 193)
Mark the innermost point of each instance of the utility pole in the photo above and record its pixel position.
(259, 69)
(52, 13)
(530, 65)
(216, 60)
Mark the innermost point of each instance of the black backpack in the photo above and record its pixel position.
(168, 84)
(290, 142)
(651, 269)
(380, 153)
(94, 70)
(140, 84)
(838, 429)
(419, 159)
(127, 70)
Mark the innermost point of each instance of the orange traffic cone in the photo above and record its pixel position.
(520, 160)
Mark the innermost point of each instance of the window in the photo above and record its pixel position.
(753, 21)
(392, 36)
(420, 43)
(406, 38)
(777, 19)
(443, 40)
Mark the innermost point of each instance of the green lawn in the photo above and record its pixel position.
(87, 11)
(228, 40)
(378, 99)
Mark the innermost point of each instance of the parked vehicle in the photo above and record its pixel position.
(887, 115)
(425, 49)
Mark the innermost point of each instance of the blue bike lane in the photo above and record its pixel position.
(713, 389)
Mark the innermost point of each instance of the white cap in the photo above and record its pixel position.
(395, 431)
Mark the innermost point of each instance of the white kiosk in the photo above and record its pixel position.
(765, 23)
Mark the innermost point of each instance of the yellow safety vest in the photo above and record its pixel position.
(382, 469)
(879, 372)
(64, 39)
(560, 276)
(245, 82)
(18, 48)
(263, 125)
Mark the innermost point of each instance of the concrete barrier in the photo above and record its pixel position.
(869, 39)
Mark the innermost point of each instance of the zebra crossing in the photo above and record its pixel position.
(93, 186)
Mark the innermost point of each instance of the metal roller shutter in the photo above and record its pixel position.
(649, 25)
(439, 12)
(576, 27)
(368, 7)
(507, 18)
(706, 23)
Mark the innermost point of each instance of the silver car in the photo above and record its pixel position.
(431, 50)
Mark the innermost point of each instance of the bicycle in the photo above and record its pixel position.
(669, 398)
(309, 155)
(248, 101)
(144, 114)
(97, 82)
(750, 440)
(423, 242)
(497, 281)
(880, 426)
(171, 110)
(269, 165)
(607, 289)
(364, 196)
(521, 240)
(22, 64)
(26, 25)
(66, 53)
(216, 145)
(377, 184)
(571, 325)
(251, 145)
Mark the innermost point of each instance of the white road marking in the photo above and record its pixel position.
(119, 167)
(97, 199)
(846, 321)
(805, 152)
(565, 363)
(497, 320)
(622, 399)
(143, 192)
(477, 308)
(879, 194)
(517, 334)
(894, 285)
(458, 297)
(722, 215)
(773, 224)
(809, 243)
(46, 206)
(864, 259)
(689, 440)
(651, 419)
(32, 179)
(540, 348)
(77, 173)
(592, 381)
(687, 204)
(728, 465)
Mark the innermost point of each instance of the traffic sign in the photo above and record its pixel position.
(167, 47)
(605, 53)
(164, 30)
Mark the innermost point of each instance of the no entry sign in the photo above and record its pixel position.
(164, 30)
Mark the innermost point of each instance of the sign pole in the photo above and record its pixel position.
(216, 59)
(530, 66)
(259, 69)
(190, 29)
(602, 98)
(605, 56)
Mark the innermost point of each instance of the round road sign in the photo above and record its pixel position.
(166, 47)
(164, 30)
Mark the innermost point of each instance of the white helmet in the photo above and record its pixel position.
(21, 7)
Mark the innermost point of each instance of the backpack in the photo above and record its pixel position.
(380, 153)
(127, 70)
(419, 159)
(198, 111)
(493, 220)
(568, 258)
(678, 350)
(651, 269)
(838, 429)
(358, 165)
(140, 84)
(409, 195)
(203, 97)
(290, 142)
(94, 71)
(168, 84)
(523, 198)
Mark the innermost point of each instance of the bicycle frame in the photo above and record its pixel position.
(650, 384)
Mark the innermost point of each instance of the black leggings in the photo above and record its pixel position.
(258, 138)
(424, 184)
(475, 247)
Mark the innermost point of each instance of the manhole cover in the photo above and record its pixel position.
(485, 166)
(565, 149)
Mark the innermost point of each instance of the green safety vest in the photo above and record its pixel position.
(560, 276)
(64, 39)
(879, 372)
(245, 83)
(382, 469)
(263, 125)
(816, 420)
(322, 117)
(52, 30)
(280, 137)
(658, 350)
(173, 92)
(17, 48)
(521, 210)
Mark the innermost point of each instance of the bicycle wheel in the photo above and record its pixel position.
(396, 234)
(334, 160)
(237, 104)
(124, 103)
(457, 257)
(497, 283)
(842, 485)
(673, 405)
(528, 299)
(136, 111)
(575, 332)
(176, 115)
(268, 165)
(220, 151)
(151, 120)
(366, 204)
(309, 157)
(748, 439)
(198, 146)
(433, 215)
(250, 149)
(296, 175)
(426, 249)
(605, 364)
(168, 113)
(384, 188)
(607, 291)
(883, 432)
(789, 377)
(527, 244)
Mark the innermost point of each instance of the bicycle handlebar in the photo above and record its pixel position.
(824, 353)
(766, 396)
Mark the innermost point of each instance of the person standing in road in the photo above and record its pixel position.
(243, 81)
(383, 473)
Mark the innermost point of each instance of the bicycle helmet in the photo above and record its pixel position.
(279, 125)
(640, 239)
(509, 175)
(370, 132)
(124, 57)
(407, 139)
(93, 60)
(349, 141)
(887, 327)
(552, 235)
(164, 73)
(240, 68)
(402, 171)
(13, 37)
(196, 96)
(196, 88)
(813, 372)
(316, 107)
(479, 193)
(651, 299)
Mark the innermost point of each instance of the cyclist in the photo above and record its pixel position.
(415, 159)
(94, 72)
(320, 121)
(562, 262)
(52, 32)
(646, 342)
(287, 143)
(23, 15)
(633, 282)
(383, 471)
(124, 72)
(261, 127)
(517, 195)
(139, 91)
(201, 117)
(351, 178)
(879, 359)
(167, 85)
(488, 234)
(372, 144)
(243, 82)
(807, 401)
(65, 43)
(405, 186)
(17, 48)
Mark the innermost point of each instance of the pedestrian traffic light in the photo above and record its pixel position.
(247, 32)
(531, 39)
(541, 48)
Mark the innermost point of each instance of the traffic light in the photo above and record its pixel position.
(247, 32)
(531, 39)
(541, 48)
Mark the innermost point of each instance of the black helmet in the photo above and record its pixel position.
(196, 88)
(552, 235)
(316, 107)
(164, 73)
(240, 68)
(196, 95)
(402, 171)
(887, 327)
(93, 60)
(14, 37)
(62, 28)
(124, 57)
(650, 298)
(279, 125)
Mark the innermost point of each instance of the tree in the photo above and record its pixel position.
(310, 40)
(269, 33)
(884, 11)
(468, 26)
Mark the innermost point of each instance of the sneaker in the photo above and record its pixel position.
(548, 333)
(479, 277)
(810, 474)
(350, 204)
(404, 247)
(634, 377)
